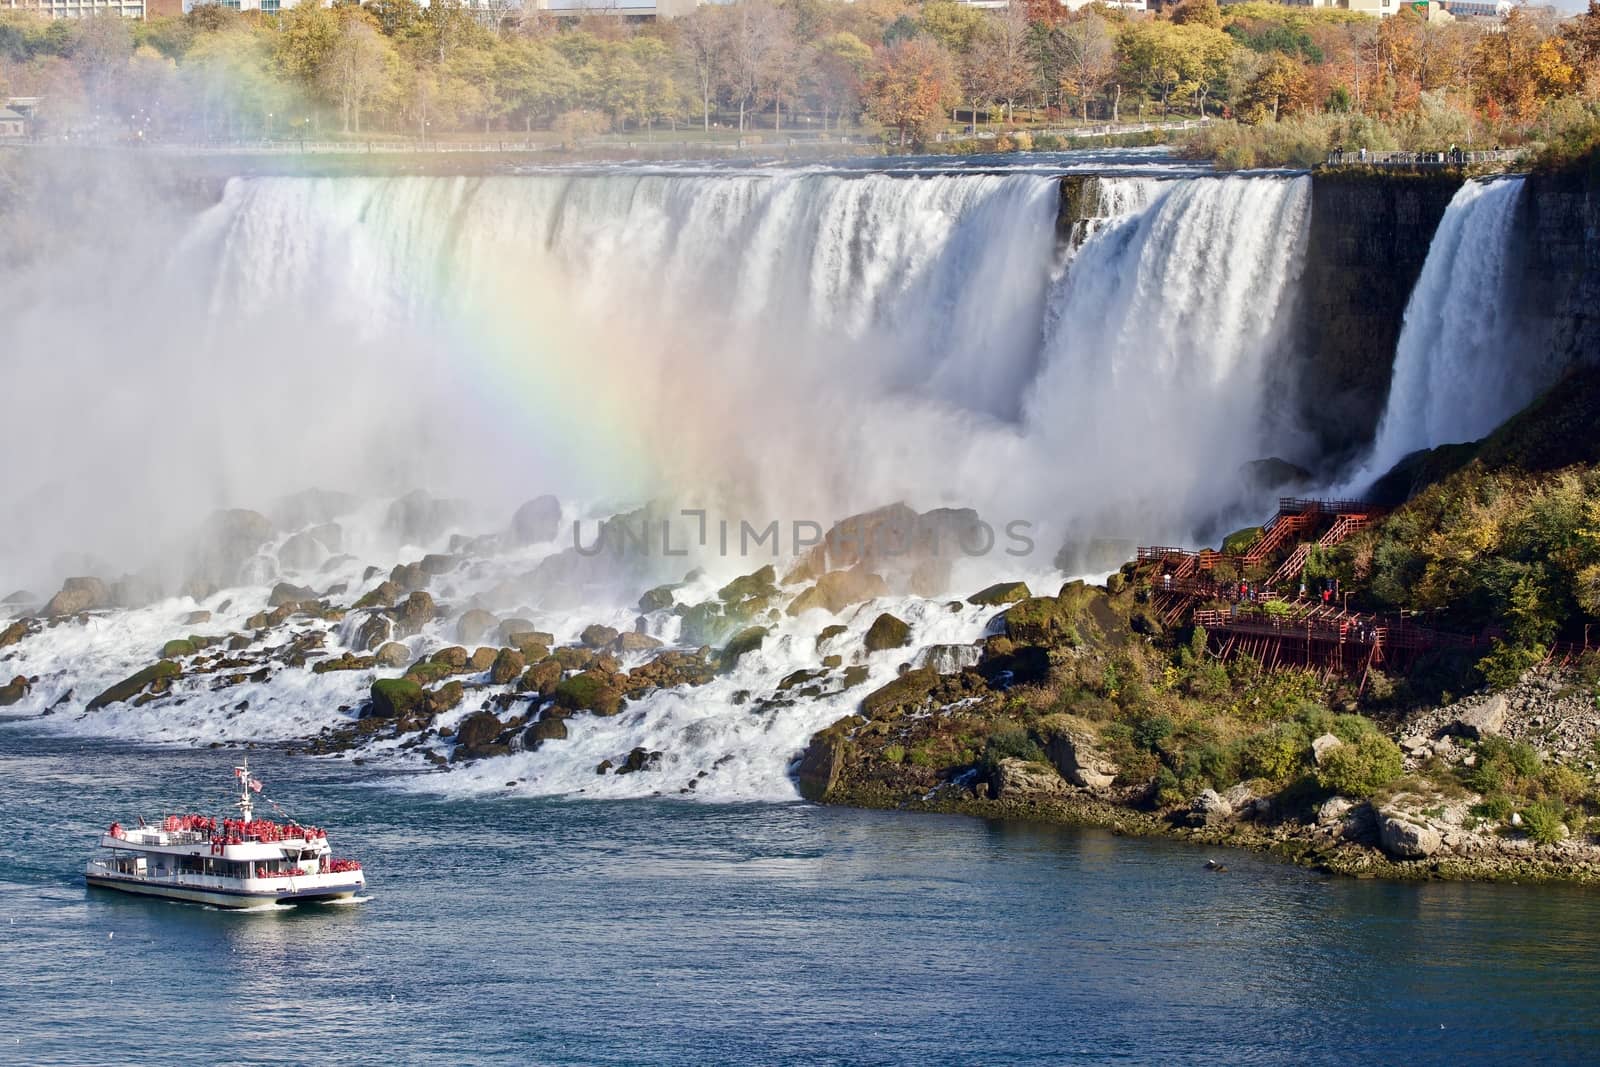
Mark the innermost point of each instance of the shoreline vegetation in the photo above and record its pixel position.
(1278, 85)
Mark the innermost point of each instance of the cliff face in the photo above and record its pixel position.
(1369, 238)
(1559, 223)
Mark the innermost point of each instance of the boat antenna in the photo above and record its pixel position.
(245, 805)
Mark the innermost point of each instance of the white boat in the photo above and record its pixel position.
(241, 862)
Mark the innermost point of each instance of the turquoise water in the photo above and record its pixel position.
(524, 931)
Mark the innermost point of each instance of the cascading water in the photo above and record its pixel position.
(823, 343)
(1458, 372)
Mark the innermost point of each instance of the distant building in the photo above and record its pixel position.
(77, 9)
(1493, 11)
(12, 124)
(1432, 10)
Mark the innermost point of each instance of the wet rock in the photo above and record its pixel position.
(476, 735)
(155, 678)
(345, 662)
(514, 632)
(14, 691)
(455, 657)
(837, 590)
(435, 564)
(482, 658)
(546, 729)
(415, 613)
(597, 636)
(473, 624)
(301, 552)
(542, 678)
(508, 664)
(383, 595)
(760, 585)
(16, 632)
(1406, 836)
(376, 631)
(1000, 593)
(1015, 778)
(590, 691)
(658, 599)
(392, 654)
(78, 594)
(446, 698)
(634, 642)
(906, 693)
(410, 576)
(178, 646)
(538, 521)
(828, 633)
(397, 698)
(196, 618)
(822, 762)
(887, 632)
(603, 766)
(287, 593)
(1486, 720)
(746, 640)
(640, 759)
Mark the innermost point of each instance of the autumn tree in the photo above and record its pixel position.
(703, 46)
(359, 67)
(910, 87)
(1089, 54)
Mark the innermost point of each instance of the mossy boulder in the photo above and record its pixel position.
(383, 595)
(838, 590)
(347, 661)
(178, 646)
(1000, 593)
(823, 761)
(455, 657)
(483, 658)
(590, 691)
(906, 693)
(597, 636)
(887, 632)
(398, 698)
(428, 673)
(759, 585)
(156, 677)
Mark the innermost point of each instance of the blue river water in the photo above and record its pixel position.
(582, 932)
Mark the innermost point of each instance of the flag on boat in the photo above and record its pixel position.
(255, 784)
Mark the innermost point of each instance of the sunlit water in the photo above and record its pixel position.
(526, 930)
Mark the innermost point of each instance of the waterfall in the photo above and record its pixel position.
(1459, 371)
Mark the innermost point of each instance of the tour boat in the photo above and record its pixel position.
(242, 862)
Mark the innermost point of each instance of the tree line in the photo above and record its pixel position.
(910, 69)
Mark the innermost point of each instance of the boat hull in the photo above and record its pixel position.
(224, 898)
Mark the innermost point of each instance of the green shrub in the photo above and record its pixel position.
(1496, 806)
(1217, 763)
(895, 753)
(1150, 730)
(1505, 666)
(1010, 743)
(1275, 753)
(1544, 821)
(1362, 767)
(1168, 789)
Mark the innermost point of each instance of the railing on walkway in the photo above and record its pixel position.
(1446, 158)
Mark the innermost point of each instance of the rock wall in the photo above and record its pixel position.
(1369, 237)
(1559, 220)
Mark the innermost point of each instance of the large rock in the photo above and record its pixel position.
(819, 767)
(415, 613)
(473, 624)
(906, 693)
(746, 640)
(551, 728)
(156, 678)
(589, 691)
(1000, 593)
(374, 632)
(392, 654)
(1486, 720)
(1016, 778)
(658, 599)
(398, 698)
(78, 594)
(634, 642)
(16, 632)
(409, 576)
(287, 593)
(1406, 836)
(1209, 808)
(1076, 755)
(15, 691)
(597, 636)
(887, 632)
(382, 595)
(838, 590)
(1321, 746)
(508, 664)
(478, 729)
(301, 552)
(538, 521)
